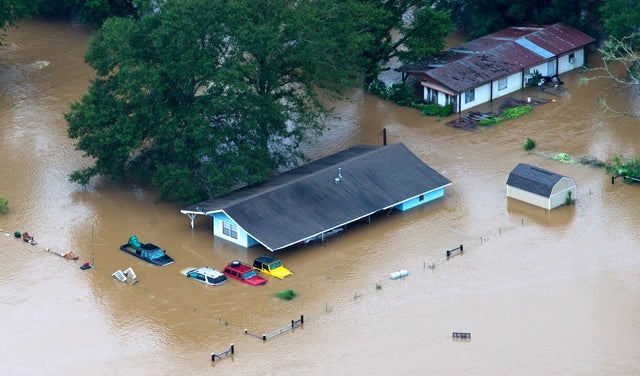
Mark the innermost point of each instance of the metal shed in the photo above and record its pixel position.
(540, 187)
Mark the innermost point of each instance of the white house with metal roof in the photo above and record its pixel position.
(540, 187)
(498, 64)
(322, 196)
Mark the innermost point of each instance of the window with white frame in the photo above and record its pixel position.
(469, 96)
(502, 83)
(230, 229)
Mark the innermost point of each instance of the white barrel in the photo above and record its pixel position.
(399, 274)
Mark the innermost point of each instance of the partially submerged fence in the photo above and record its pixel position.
(461, 336)
(229, 351)
(450, 252)
(266, 336)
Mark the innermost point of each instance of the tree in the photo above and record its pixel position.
(621, 18)
(618, 55)
(202, 96)
(13, 10)
(404, 29)
(91, 11)
(481, 17)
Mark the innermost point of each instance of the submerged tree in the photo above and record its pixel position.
(621, 63)
(201, 96)
(11, 11)
(406, 30)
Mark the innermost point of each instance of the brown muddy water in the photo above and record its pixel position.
(542, 293)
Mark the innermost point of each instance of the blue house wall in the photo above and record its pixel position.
(226, 228)
(420, 200)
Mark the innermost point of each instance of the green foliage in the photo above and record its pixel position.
(563, 157)
(620, 17)
(489, 121)
(482, 17)
(568, 200)
(516, 112)
(431, 109)
(4, 205)
(620, 166)
(90, 11)
(11, 11)
(378, 88)
(507, 114)
(402, 94)
(535, 80)
(286, 294)
(205, 96)
(529, 144)
(387, 34)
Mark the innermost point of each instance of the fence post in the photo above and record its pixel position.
(301, 319)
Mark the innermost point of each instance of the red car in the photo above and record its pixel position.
(243, 273)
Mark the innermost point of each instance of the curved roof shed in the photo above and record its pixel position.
(540, 187)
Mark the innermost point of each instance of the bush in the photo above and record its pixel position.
(286, 294)
(379, 89)
(486, 122)
(430, 109)
(563, 157)
(516, 112)
(4, 205)
(402, 94)
(530, 144)
(619, 166)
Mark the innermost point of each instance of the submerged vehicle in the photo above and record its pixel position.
(271, 266)
(148, 252)
(243, 273)
(207, 275)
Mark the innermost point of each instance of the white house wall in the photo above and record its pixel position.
(514, 83)
(541, 68)
(528, 197)
(560, 192)
(564, 63)
(482, 95)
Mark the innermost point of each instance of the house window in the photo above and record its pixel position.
(421, 198)
(572, 58)
(230, 229)
(469, 96)
(502, 84)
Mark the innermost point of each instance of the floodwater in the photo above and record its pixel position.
(540, 292)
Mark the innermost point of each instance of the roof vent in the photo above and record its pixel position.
(338, 178)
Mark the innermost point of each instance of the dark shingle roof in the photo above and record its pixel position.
(533, 179)
(306, 201)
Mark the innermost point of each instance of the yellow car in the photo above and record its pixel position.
(271, 266)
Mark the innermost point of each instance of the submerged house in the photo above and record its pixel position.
(322, 197)
(498, 64)
(540, 187)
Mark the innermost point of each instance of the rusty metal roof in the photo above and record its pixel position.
(477, 69)
(559, 38)
(496, 55)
